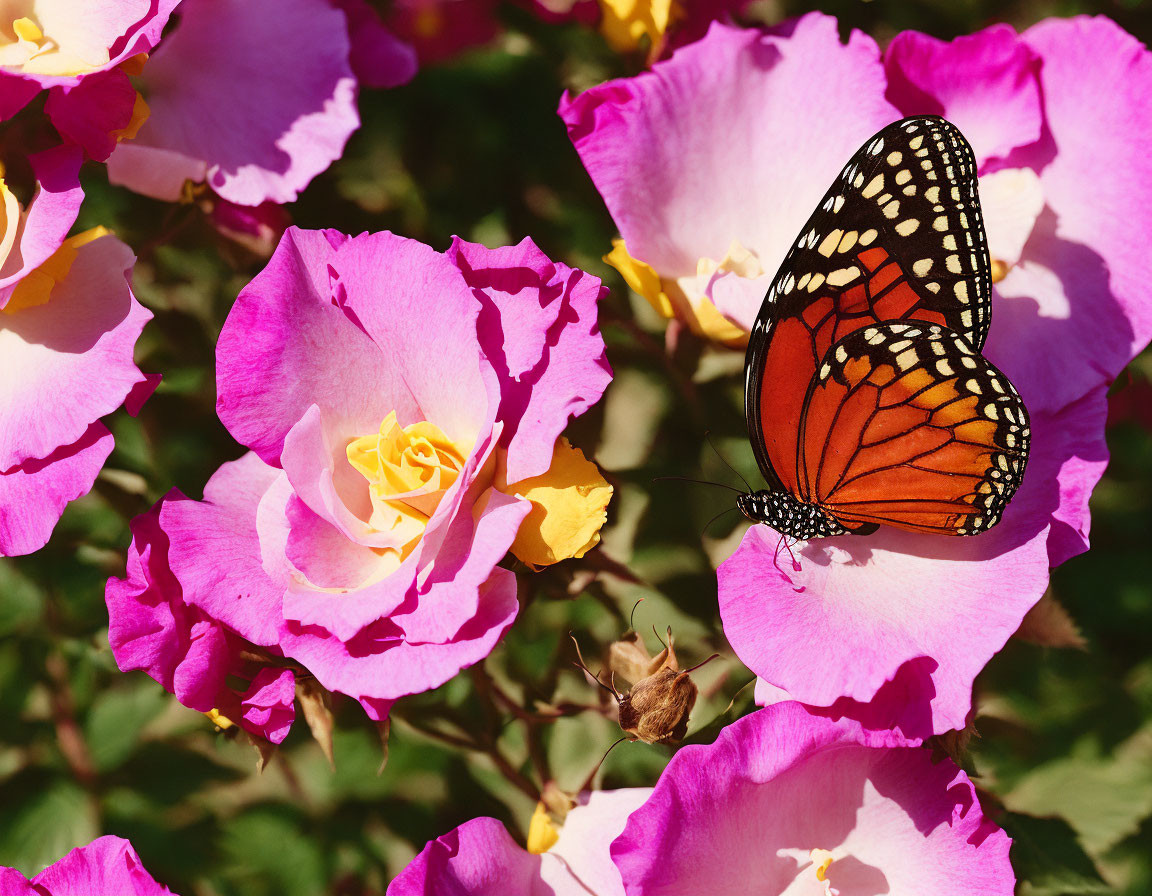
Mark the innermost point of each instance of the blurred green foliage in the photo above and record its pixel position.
(475, 148)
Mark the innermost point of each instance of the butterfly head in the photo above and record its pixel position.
(788, 515)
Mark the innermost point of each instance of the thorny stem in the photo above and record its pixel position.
(68, 735)
(488, 747)
(487, 687)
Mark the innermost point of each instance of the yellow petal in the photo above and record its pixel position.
(569, 506)
(36, 287)
(624, 23)
(542, 834)
(134, 65)
(219, 720)
(140, 113)
(640, 277)
(717, 327)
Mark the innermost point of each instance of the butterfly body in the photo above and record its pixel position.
(789, 515)
(868, 402)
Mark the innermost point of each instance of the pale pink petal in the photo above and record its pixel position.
(315, 459)
(380, 662)
(1073, 309)
(327, 557)
(964, 80)
(117, 28)
(259, 90)
(68, 362)
(107, 865)
(1099, 188)
(538, 326)
(859, 608)
(456, 563)
(49, 217)
(215, 551)
(582, 852)
(384, 282)
(836, 633)
(1011, 200)
(742, 815)
(34, 494)
(708, 148)
(479, 858)
(155, 172)
(286, 346)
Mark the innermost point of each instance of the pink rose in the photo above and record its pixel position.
(404, 410)
(107, 865)
(68, 327)
(256, 97)
(893, 628)
(783, 802)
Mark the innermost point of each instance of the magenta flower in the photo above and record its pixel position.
(67, 333)
(404, 410)
(893, 628)
(256, 97)
(74, 50)
(152, 628)
(783, 802)
(479, 858)
(107, 865)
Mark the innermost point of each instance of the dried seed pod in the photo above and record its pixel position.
(657, 707)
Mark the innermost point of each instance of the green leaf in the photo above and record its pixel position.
(112, 729)
(1104, 799)
(268, 853)
(42, 820)
(1048, 860)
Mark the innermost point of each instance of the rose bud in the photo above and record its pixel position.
(657, 707)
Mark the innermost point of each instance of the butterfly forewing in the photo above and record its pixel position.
(898, 236)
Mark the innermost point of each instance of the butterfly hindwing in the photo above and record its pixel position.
(906, 424)
(898, 236)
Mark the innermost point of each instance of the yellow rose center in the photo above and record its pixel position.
(25, 45)
(408, 468)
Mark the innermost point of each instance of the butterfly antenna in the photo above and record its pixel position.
(714, 656)
(583, 667)
(632, 617)
(592, 775)
(708, 436)
(711, 521)
(697, 481)
(658, 638)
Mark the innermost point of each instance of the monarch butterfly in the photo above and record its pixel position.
(867, 399)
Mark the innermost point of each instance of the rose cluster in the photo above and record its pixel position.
(402, 414)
